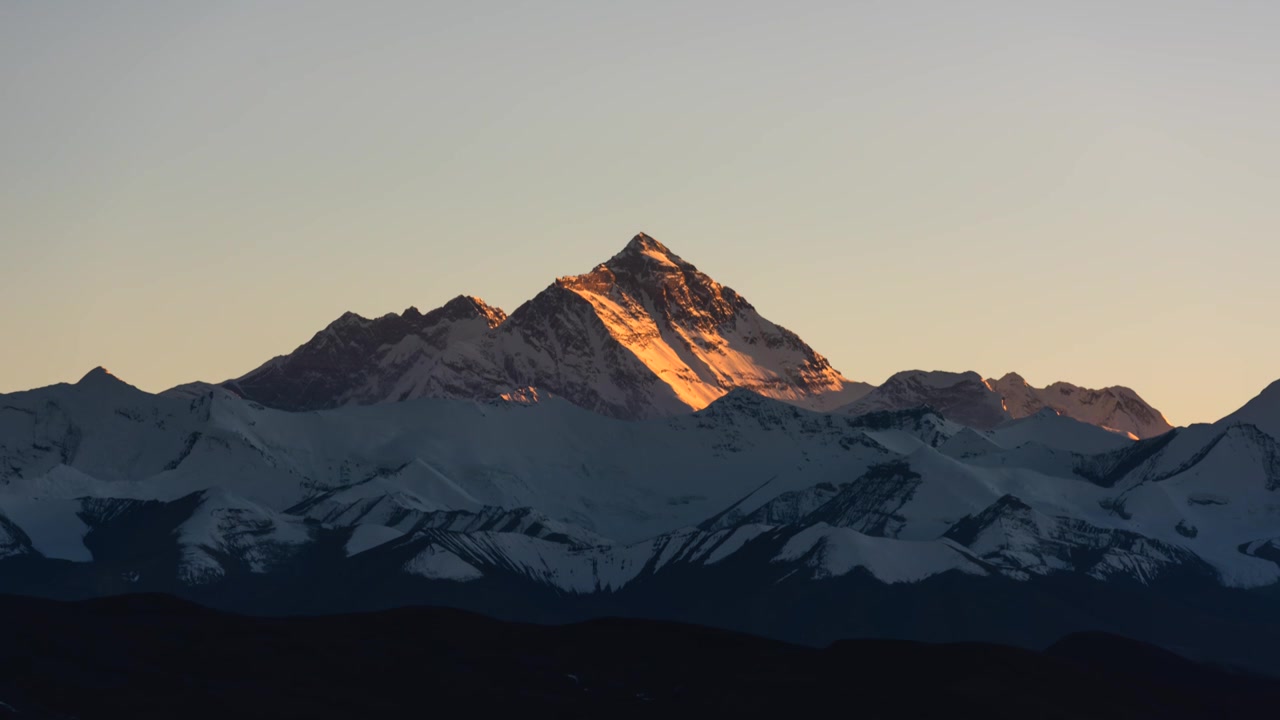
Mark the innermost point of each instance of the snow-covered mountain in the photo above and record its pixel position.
(967, 398)
(963, 397)
(644, 334)
(1115, 408)
(106, 488)
(1262, 412)
(356, 360)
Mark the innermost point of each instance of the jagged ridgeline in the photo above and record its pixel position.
(644, 334)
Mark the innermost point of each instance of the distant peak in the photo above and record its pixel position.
(465, 301)
(1013, 377)
(101, 377)
(740, 394)
(742, 399)
(1263, 410)
(470, 306)
(96, 374)
(349, 318)
(935, 378)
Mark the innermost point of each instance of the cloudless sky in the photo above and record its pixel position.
(1081, 191)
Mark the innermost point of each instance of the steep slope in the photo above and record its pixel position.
(651, 329)
(1014, 537)
(1263, 412)
(1114, 408)
(644, 334)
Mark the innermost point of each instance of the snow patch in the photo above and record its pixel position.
(832, 552)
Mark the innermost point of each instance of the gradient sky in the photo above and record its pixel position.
(1077, 191)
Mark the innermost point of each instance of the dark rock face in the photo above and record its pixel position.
(870, 503)
(1012, 536)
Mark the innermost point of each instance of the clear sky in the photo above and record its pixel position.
(1081, 191)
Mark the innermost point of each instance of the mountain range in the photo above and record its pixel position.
(639, 441)
(642, 335)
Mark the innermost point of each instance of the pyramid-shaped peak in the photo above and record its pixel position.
(97, 374)
(100, 377)
(348, 318)
(465, 302)
(649, 274)
(644, 251)
(465, 307)
(642, 242)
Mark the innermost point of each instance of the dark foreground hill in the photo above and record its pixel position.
(155, 656)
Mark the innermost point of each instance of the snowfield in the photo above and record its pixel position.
(581, 502)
